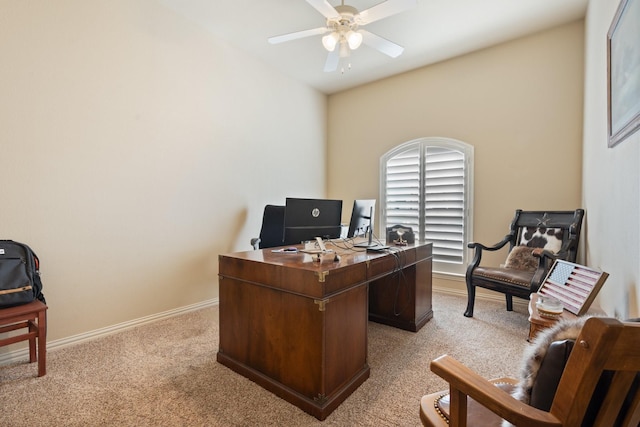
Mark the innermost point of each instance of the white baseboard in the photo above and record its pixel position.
(480, 295)
(18, 355)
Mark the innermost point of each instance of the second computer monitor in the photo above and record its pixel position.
(306, 219)
(361, 218)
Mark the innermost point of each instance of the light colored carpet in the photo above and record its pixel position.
(166, 374)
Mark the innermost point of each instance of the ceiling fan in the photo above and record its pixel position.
(343, 31)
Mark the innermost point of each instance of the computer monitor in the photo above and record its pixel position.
(361, 217)
(306, 219)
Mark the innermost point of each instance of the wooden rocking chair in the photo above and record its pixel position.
(598, 386)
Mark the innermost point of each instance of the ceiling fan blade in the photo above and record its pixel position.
(297, 35)
(332, 61)
(324, 8)
(383, 10)
(383, 45)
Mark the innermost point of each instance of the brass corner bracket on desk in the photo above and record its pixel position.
(321, 275)
(321, 304)
(321, 399)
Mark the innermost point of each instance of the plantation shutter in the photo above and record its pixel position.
(425, 189)
(403, 189)
(444, 203)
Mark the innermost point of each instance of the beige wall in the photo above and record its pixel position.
(519, 104)
(135, 149)
(611, 179)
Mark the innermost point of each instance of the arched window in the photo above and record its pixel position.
(427, 185)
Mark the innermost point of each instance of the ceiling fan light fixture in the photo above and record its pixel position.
(343, 30)
(354, 39)
(330, 41)
(344, 49)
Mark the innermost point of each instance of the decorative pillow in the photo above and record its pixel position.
(549, 239)
(536, 368)
(521, 258)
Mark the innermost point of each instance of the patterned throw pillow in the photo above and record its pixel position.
(521, 258)
(541, 237)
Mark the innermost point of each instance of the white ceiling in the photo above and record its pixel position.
(434, 31)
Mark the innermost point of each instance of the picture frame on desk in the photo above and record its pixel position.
(623, 72)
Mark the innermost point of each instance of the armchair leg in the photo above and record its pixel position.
(471, 297)
(509, 302)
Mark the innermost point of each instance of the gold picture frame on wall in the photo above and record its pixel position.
(623, 72)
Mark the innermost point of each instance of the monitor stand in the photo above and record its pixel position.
(370, 244)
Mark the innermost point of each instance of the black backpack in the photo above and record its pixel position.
(19, 274)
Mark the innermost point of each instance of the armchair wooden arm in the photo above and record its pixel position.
(546, 260)
(479, 247)
(465, 382)
(508, 238)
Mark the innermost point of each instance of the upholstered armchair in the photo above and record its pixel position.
(535, 240)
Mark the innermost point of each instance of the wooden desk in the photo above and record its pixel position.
(298, 327)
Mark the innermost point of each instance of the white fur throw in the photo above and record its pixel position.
(535, 353)
(521, 258)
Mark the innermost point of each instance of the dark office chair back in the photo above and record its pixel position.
(272, 232)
